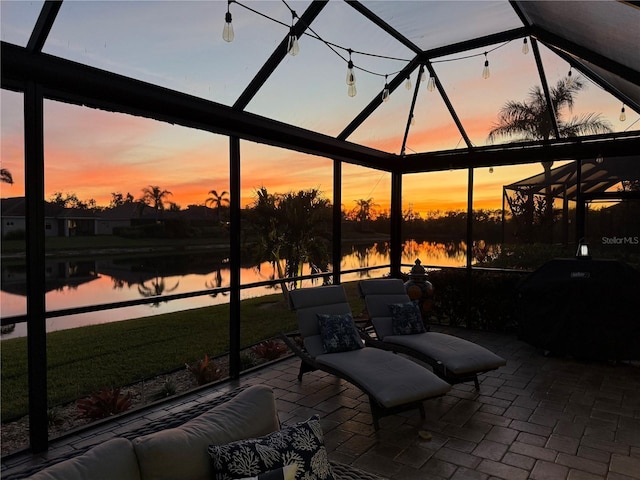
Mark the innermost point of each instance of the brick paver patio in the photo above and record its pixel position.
(539, 417)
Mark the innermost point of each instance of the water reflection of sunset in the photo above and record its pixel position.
(108, 288)
(450, 254)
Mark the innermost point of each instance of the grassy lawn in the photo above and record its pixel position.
(85, 359)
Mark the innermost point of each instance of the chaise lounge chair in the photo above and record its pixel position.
(333, 344)
(452, 358)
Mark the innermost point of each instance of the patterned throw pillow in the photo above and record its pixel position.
(406, 319)
(284, 473)
(301, 444)
(339, 333)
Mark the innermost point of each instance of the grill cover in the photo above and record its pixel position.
(584, 308)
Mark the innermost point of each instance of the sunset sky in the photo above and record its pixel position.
(178, 45)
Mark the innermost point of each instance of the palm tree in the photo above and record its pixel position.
(363, 210)
(5, 176)
(531, 120)
(217, 200)
(291, 228)
(154, 196)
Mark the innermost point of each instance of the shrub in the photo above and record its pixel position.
(487, 303)
(269, 350)
(168, 389)
(54, 416)
(204, 371)
(15, 235)
(247, 360)
(104, 403)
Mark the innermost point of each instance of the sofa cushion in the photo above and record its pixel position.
(181, 452)
(301, 444)
(112, 460)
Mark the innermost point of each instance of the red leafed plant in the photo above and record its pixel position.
(204, 371)
(269, 349)
(104, 403)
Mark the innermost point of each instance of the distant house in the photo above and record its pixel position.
(58, 221)
(121, 216)
(68, 222)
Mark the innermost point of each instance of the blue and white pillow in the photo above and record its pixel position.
(284, 473)
(406, 319)
(301, 445)
(338, 333)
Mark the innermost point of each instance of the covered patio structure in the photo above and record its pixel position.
(581, 182)
(599, 39)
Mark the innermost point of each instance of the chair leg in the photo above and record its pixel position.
(375, 414)
(304, 368)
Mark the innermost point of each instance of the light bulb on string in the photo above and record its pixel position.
(570, 78)
(431, 86)
(525, 46)
(293, 48)
(423, 76)
(413, 120)
(407, 84)
(385, 92)
(351, 78)
(227, 32)
(623, 115)
(485, 72)
(351, 90)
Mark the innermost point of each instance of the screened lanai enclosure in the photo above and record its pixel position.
(142, 142)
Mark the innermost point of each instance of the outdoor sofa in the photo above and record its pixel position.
(452, 358)
(237, 420)
(332, 343)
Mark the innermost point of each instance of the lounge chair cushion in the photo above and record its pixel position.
(457, 355)
(406, 319)
(391, 379)
(308, 302)
(339, 333)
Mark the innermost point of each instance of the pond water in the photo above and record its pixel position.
(106, 280)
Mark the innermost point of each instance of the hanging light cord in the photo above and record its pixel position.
(335, 47)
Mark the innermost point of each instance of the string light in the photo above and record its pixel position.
(569, 78)
(413, 120)
(423, 76)
(407, 84)
(293, 48)
(485, 71)
(525, 46)
(431, 86)
(623, 115)
(227, 32)
(385, 92)
(351, 78)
